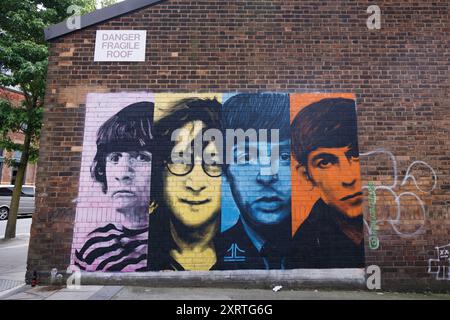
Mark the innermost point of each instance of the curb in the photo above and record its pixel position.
(255, 279)
(13, 291)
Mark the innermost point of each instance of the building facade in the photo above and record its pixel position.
(7, 173)
(343, 165)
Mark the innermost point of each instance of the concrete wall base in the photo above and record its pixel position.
(256, 279)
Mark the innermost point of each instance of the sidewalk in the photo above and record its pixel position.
(145, 293)
(13, 255)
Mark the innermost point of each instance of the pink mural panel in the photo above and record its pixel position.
(111, 225)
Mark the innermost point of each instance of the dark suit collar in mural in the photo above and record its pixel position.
(321, 243)
(238, 248)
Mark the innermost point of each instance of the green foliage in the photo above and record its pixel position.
(106, 3)
(16, 119)
(24, 52)
(23, 64)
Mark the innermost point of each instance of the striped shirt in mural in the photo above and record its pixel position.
(110, 248)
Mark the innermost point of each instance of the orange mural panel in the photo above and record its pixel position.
(304, 194)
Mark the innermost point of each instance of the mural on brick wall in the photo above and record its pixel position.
(111, 227)
(258, 203)
(328, 194)
(186, 190)
(219, 182)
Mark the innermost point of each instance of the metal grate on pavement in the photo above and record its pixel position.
(9, 284)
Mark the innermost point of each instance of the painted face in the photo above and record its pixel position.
(128, 176)
(263, 198)
(192, 191)
(336, 172)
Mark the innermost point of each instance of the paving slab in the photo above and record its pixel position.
(191, 293)
(83, 295)
(145, 293)
(106, 293)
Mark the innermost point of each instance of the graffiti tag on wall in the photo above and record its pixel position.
(440, 266)
(374, 242)
(405, 201)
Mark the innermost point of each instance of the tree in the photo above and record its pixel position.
(106, 3)
(24, 54)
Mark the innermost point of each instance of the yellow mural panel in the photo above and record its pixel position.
(165, 101)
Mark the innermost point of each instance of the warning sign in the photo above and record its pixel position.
(120, 45)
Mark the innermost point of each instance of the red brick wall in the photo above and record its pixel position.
(11, 95)
(398, 73)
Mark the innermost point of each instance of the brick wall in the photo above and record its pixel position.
(399, 75)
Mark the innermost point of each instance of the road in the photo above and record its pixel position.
(13, 255)
(22, 228)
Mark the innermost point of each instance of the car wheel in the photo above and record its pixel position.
(4, 213)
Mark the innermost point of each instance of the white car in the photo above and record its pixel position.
(26, 205)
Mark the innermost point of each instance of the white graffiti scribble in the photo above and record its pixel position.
(440, 265)
(410, 176)
(391, 189)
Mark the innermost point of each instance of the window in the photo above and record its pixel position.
(13, 175)
(14, 172)
(5, 192)
(27, 191)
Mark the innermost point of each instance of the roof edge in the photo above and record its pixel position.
(13, 90)
(98, 16)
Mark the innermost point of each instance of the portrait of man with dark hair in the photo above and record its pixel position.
(260, 237)
(123, 168)
(186, 192)
(325, 146)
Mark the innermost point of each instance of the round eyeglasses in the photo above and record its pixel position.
(181, 169)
